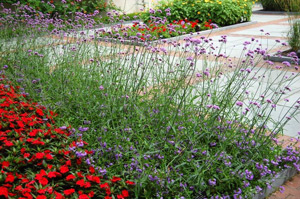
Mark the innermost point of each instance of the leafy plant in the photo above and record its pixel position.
(281, 5)
(66, 7)
(222, 13)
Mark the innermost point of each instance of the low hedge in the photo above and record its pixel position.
(63, 7)
(223, 12)
(281, 5)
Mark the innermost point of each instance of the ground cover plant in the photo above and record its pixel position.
(176, 119)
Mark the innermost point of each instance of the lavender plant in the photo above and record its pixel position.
(180, 119)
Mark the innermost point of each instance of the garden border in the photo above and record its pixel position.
(276, 58)
(137, 43)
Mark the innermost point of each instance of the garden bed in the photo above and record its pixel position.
(176, 38)
(143, 116)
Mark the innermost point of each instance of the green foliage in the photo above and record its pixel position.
(294, 36)
(223, 13)
(281, 5)
(67, 6)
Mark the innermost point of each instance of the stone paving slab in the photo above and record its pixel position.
(273, 30)
(266, 18)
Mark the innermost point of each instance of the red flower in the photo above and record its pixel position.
(5, 164)
(20, 123)
(64, 169)
(104, 186)
(130, 182)
(41, 197)
(79, 174)
(92, 170)
(10, 178)
(49, 156)
(120, 196)
(8, 143)
(87, 185)
(43, 181)
(58, 195)
(53, 174)
(125, 193)
(78, 161)
(4, 192)
(81, 183)
(68, 163)
(26, 155)
(39, 155)
(70, 177)
(40, 112)
(115, 179)
(83, 196)
(91, 194)
(42, 191)
(69, 191)
(107, 197)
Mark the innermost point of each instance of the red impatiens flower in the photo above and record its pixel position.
(64, 169)
(93, 178)
(70, 177)
(5, 164)
(83, 196)
(69, 191)
(39, 155)
(26, 155)
(8, 143)
(49, 156)
(104, 186)
(4, 192)
(58, 195)
(43, 181)
(115, 179)
(130, 182)
(40, 112)
(53, 174)
(91, 194)
(9, 178)
(42, 191)
(81, 182)
(125, 193)
(91, 169)
(80, 174)
(41, 197)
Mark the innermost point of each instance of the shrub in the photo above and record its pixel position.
(281, 5)
(294, 36)
(63, 7)
(222, 13)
